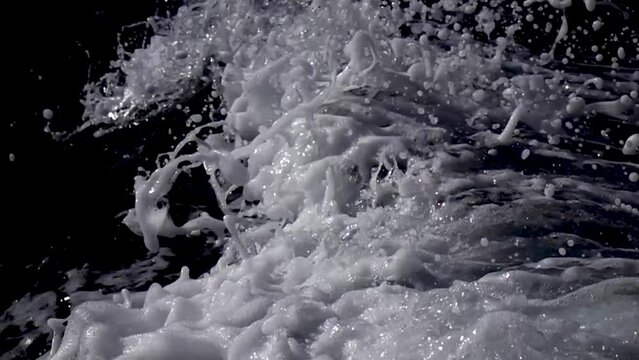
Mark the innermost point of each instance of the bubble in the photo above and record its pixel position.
(525, 154)
(479, 95)
(443, 34)
(484, 242)
(196, 118)
(576, 105)
(634, 177)
(562, 251)
(47, 114)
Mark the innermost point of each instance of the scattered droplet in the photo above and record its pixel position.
(596, 25)
(621, 53)
(47, 114)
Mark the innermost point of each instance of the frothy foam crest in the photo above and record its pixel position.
(362, 226)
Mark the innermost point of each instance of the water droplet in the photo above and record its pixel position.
(47, 114)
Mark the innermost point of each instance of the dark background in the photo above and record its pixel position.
(61, 200)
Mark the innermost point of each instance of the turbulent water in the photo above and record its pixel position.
(401, 180)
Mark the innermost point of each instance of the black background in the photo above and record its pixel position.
(61, 200)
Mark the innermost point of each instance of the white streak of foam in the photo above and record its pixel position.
(507, 134)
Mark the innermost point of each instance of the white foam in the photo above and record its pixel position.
(349, 239)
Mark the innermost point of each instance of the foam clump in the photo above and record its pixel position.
(363, 223)
(236, 313)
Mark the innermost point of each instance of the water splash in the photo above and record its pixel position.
(398, 180)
